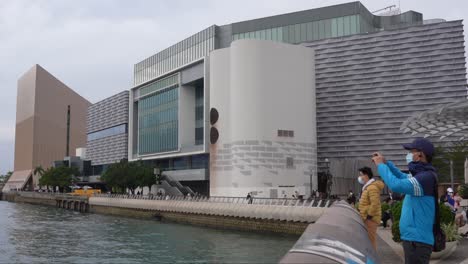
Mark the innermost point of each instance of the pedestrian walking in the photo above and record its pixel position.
(351, 198)
(418, 228)
(369, 202)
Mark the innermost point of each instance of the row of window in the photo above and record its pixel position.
(112, 131)
(200, 161)
(172, 80)
(191, 41)
(199, 109)
(334, 27)
(159, 67)
(158, 122)
(285, 133)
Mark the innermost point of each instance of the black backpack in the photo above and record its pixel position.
(439, 234)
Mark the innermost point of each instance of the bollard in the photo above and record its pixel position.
(338, 236)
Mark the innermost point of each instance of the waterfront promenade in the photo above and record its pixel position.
(389, 253)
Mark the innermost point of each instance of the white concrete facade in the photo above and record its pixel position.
(258, 88)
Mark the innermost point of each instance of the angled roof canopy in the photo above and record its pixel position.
(450, 120)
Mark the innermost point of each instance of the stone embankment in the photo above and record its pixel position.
(263, 215)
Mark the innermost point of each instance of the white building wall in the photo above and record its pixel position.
(258, 88)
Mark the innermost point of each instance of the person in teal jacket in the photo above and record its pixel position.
(418, 211)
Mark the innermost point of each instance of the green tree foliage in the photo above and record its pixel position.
(128, 175)
(58, 176)
(396, 231)
(463, 191)
(4, 178)
(455, 151)
(39, 171)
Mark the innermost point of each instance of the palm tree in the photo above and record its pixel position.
(39, 171)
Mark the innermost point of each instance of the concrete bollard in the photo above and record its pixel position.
(338, 236)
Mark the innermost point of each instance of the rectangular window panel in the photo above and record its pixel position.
(303, 32)
(321, 29)
(347, 25)
(309, 31)
(262, 34)
(334, 25)
(292, 34)
(297, 33)
(285, 34)
(289, 163)
(268, 34)
(281, 34)
(158, 117)
(315, 32)
(274, 34)
(328, 28)
(340, 22)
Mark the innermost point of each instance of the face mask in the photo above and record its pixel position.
(360, 180)
(409, 157)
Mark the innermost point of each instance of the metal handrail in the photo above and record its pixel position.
(225, 199)
(211, 199)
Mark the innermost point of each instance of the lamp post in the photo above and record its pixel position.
(451, 174)
(329, 177)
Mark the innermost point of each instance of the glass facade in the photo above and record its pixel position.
(184, 52)
(315, 30)
(172, 80)
(199, 108)
(158, 122)
(112, 131)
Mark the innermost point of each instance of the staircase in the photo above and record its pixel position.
(174, 187)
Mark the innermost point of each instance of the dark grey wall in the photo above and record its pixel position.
(108, 113)
(368, 84)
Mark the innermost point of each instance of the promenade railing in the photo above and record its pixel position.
(225, 199)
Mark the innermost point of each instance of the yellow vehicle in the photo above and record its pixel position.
(85, 192)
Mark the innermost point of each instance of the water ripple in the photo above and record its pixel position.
(38, 234)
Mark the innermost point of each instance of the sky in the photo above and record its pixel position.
(92, 45)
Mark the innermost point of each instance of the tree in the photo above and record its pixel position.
(38, 171)
(61, 177)
(144, 175)
(455, 151)
(128, 175)
(6, 177)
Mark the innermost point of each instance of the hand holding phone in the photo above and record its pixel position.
(378, 158)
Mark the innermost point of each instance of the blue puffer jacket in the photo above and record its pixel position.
(417, 214)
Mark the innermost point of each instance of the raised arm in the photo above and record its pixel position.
(407, 186)
(397, 172)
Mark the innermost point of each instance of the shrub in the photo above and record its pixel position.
(446, 215)
(463, 191)
(396, 231)
(385, 207)
(451, 232)
(396, 210)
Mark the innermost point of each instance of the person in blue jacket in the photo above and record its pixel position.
(418, 211)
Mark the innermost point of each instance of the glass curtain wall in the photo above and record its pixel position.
(315, 30)
(158, 122)
(199, 115)
(184, 52)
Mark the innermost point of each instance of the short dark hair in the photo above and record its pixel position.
(367, 171)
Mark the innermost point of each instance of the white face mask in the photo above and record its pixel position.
(409, 157)
(360, 180)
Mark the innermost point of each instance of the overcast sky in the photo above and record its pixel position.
(92, 45)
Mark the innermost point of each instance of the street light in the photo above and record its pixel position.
(329, 177)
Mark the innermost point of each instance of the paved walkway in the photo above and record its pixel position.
(388, 250)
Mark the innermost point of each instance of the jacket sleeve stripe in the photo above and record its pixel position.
(416, 186)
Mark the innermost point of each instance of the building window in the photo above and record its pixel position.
(158, 122)
(289, 163)
(112, 131)
(285, 133)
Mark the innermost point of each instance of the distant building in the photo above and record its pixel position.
(50, 124)
(107, 127)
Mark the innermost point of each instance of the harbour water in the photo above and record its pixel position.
(40, 234)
